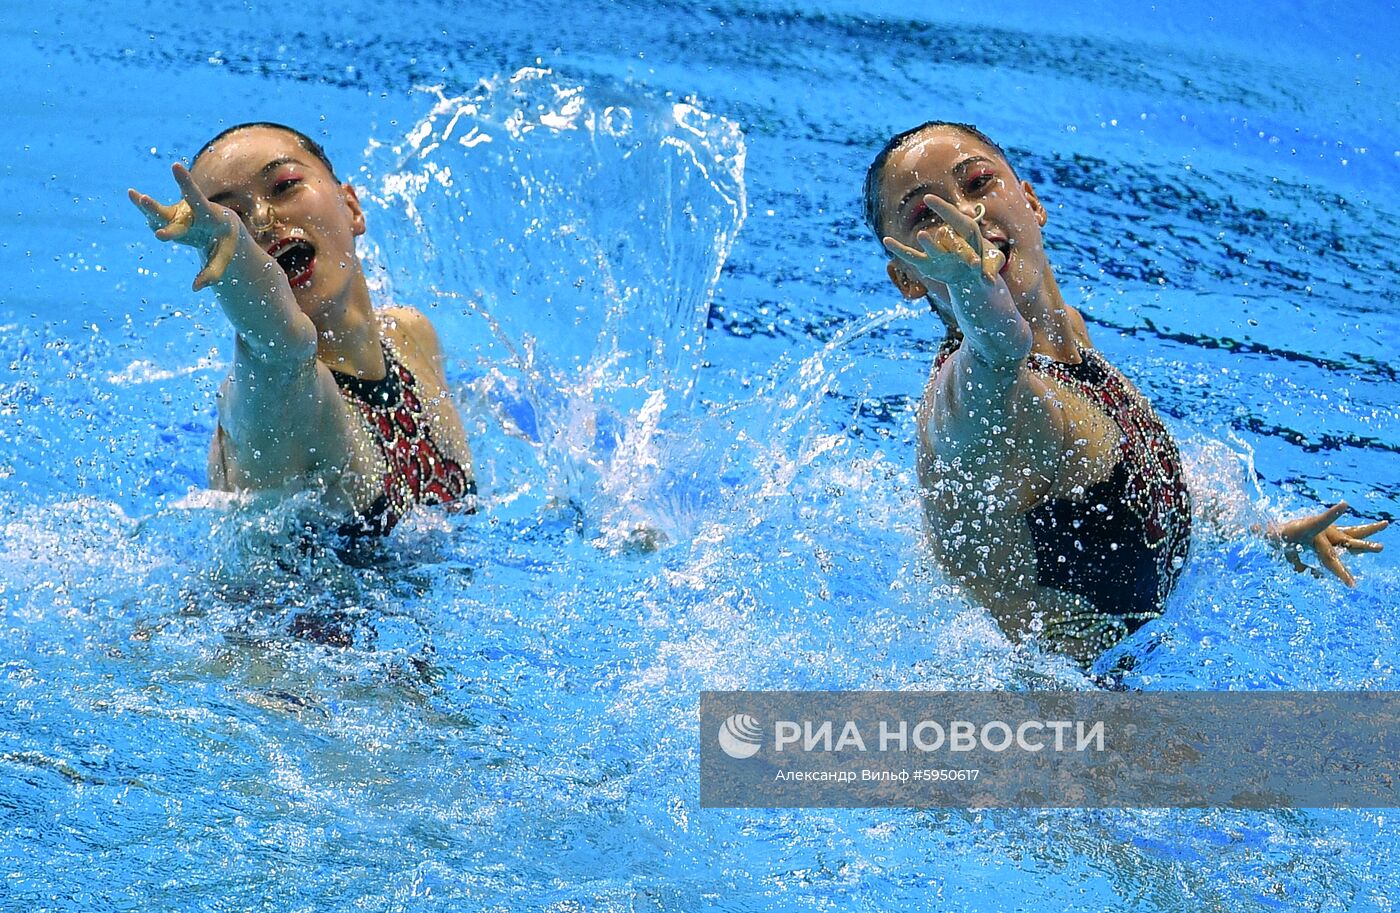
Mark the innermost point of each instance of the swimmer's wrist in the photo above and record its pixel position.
(224, 250)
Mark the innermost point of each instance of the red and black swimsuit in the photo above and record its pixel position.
(416, 469)
(1123, 544)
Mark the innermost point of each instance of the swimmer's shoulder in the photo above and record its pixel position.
(963, 405)
(410, 330)
(1010, 452)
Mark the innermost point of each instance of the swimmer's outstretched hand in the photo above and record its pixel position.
(194, 221)
(953, 252)
(1327, 540)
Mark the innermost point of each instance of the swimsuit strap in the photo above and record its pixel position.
(950, 344)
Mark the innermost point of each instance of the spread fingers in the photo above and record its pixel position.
(1363, 530)
(903, 251)
(189, 189)
(1328, 555)
(1359, 545)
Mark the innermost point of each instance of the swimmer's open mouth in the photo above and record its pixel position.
(1005, 247)
(297, 258)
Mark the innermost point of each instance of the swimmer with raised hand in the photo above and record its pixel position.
(1052, 490)
(324, 393)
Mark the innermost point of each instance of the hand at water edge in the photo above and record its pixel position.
(1326, 540)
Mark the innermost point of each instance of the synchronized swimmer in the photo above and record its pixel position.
(1052, 491)
(324, 393)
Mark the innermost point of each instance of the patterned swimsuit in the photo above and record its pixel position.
(417, 471)
(1122, 546)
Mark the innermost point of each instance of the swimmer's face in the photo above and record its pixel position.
(966, 172)
(292, 206)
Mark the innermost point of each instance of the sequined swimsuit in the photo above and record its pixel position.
(417, 471)
(1121, 546)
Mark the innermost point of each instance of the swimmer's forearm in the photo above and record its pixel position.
(257, 300)
(976, 391)
(992, 326)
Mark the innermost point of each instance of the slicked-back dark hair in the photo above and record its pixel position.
(306, 142)
(876, 172)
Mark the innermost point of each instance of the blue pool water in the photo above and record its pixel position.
(665, 322)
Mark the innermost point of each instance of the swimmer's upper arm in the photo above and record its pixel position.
(1000, 419)
(279, 425)
(973, 402)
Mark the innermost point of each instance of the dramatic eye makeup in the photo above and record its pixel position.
(285, 181)
(921, 213)
(283, 172)
(980, 179)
